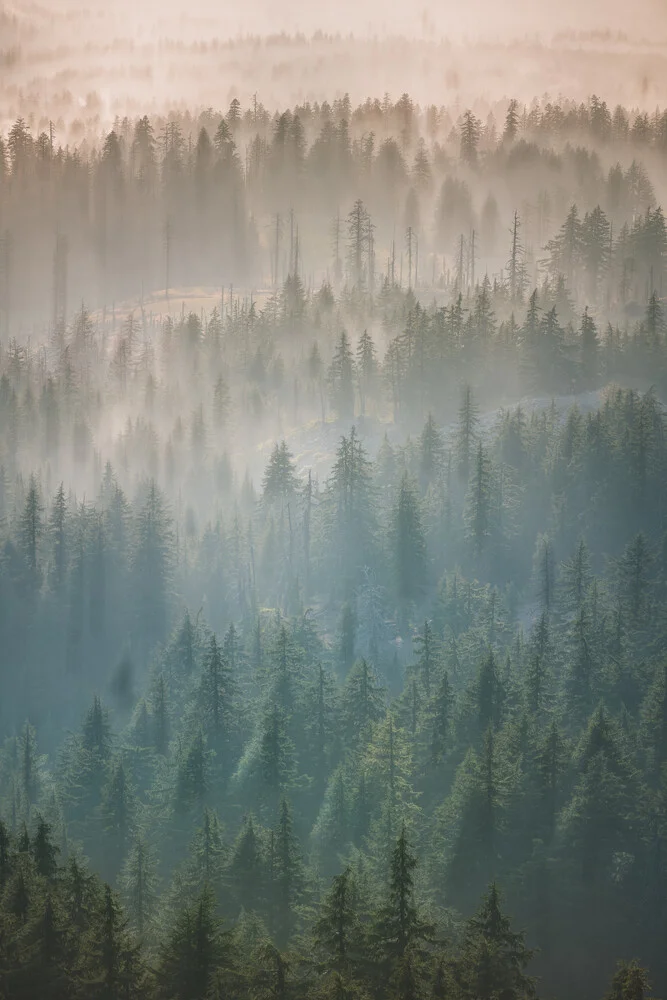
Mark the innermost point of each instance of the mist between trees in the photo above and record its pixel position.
(333, 567)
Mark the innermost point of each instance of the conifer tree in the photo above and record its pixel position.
(441, 738)
(478, 512)
(118, 811)
(337, 929)
(160, 717)
(247, 869)
(193, 773)
(347, 637)
(432, 452)
(399, 926)
(44, 852)
(466, 432)
(30, 778)
(409, 543)
(196, 947)
(31, 533)
(493, 958)
(115, 969)
(287, 875)
(58, 533)
(280, 483)
(362, 702)
(217, 698)
(139, 884)
(152, 565)
(341, 379)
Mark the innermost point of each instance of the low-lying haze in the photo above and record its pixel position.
(91, 63)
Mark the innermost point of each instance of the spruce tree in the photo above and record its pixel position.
(287, 875)
(409, 545)
(399, 926)
(337, 930)
(493, 957)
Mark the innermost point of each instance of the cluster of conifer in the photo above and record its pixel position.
(236, 198)
(302, 705)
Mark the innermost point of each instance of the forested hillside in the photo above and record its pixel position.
(333, 556)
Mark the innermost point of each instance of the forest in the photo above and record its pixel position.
(333, 553)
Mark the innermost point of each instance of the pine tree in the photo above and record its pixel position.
(538, 679)
(633, 579)
(341, 379)
(347, 634)
(152, 566)
(247, 869)
(432, 453)
(118, 812)
(428, 657)
(207, 852)
(470, 131)
(287, 875)
(399, 926)
(276, 760)
(589, 350)
(409, 544)
(139, 884)
(478, 510)
(466, 432)
(359, 246)
(217, 697)
(30, 777)
(493, 957)
(49, 960)
(595, 823)
(184, 647)
(115, 970)
(31, 533)
(19, 895)
(194, 950)
(58, 533)
(516, 267)
(565, 249)
(366, 368)
(193, 773)
(86, 759)
(545, 572)
(44, 852)
(5, 845)
(654, 322)
(580, 679)
(160, 715)
(551, 762)
(280, 483)
(488, 695)
(362, 702)
(337, 930)
(80, 894)
(349, 522)
(475, 812)
(576, 578)
(442, 736)
(511, 129)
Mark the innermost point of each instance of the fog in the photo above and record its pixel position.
(479, 19)
(90, 63)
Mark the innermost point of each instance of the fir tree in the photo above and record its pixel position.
(409, 542)
(493, 958)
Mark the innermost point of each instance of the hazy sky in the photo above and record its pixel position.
(488, 18)
(112, 50)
